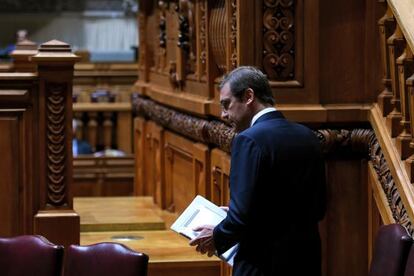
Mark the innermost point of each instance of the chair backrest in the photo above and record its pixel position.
(30, 255)
(106, 258)
(392, 246)
(409, 267)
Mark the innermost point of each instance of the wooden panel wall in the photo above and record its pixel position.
(186, 171)
(344, 231)
(16, 171)
(349, 51)
(220, 171)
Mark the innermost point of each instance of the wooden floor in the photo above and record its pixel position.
(142, 226)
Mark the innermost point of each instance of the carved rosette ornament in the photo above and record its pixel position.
(279, 39)
(56, 150)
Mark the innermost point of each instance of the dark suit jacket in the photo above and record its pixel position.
(83, 147)
(277, 197)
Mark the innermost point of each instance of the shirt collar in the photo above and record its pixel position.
(261, 113)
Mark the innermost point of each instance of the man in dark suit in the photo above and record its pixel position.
(277, 185)
(79, 146)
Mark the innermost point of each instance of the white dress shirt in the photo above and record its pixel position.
(261, 113)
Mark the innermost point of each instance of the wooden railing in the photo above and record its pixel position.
(393, 116)
(105, 125)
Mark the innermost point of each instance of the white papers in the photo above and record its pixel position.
(202, 212)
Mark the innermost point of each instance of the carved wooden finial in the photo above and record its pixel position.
(55, 51)
(27, 45)
(25, 49)
(55, 46)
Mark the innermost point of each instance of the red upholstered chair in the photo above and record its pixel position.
(392, 246)
(106, 258)
(30, 255)
(409, 268)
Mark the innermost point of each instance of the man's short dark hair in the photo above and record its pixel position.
(245, 77)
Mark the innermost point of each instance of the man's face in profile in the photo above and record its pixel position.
(234, 110)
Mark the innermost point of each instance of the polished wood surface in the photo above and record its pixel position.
(169, 253)
(117, 214)
(344, 237)
(186, 171)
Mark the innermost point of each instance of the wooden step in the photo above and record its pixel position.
(169, 253)
(118, 214)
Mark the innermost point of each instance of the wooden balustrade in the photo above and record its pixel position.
(398, 68)
(105, 125)
(386, 26)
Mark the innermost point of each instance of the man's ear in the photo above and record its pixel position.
(249, 96)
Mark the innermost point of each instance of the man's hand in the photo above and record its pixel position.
(204, 241)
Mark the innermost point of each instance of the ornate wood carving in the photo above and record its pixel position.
(233, 35)
(202, 33)
(56, 150)
(363, 141)
(208, 132)
(217, 34)
(162, 51)
(279, 39)
(184, 12)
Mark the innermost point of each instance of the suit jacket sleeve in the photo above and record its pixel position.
(245, 168)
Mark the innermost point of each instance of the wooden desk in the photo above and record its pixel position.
(103, 176)
(169, 253)
(117, 214)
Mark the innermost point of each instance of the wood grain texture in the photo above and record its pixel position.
(169, 253)
(117, 214)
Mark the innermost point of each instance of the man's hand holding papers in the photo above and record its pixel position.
(204, 241)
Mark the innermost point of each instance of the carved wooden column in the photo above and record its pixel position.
(409, 163)
(405, 66)
(93, 129)
(107, 129)
(386, 28)
(21, 56)
(396, 46)
(55, 218)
